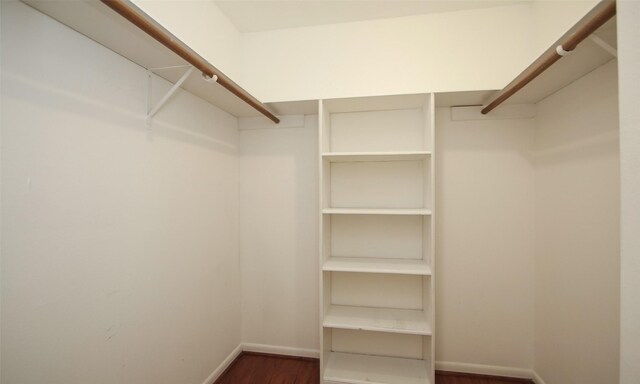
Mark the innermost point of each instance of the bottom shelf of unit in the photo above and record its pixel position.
(365, 369)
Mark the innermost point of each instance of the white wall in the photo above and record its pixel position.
(484, 245)
(201, 25)
(577, 228)
(119, 244)
(629, 78)
(453, 51)
(279, 233)
(435, 52)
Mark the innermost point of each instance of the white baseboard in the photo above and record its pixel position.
(484, 369)
(537, 379)
(314, 353)
(261, 348)
(225, 364)
(279, 350)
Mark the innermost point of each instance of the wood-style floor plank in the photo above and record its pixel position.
(259, 368)
(252, 368)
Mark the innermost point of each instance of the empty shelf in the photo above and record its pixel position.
(377, 211)
(338, 157)
(373, 265)
(406, 321)
(361, 369)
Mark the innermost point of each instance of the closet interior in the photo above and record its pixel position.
(379, 216)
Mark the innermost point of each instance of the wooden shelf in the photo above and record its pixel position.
(405, 321)
(361, 369)
(375, 265)
(339, 157)
(377, 211)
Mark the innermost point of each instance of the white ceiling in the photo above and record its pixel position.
(264, 15)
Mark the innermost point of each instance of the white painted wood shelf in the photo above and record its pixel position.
(377, 211)
(376, 265)
(405, 321)
(365, 369)
(340, 157)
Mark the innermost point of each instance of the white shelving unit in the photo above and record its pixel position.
(377, 231)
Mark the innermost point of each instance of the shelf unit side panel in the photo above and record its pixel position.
(326, 339)
(324, 230)
(325, 253)
(325, 127)
(428, 350)
(427, 241)
(430, 232)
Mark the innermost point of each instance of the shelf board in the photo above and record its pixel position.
(375, 265)
(98, 22)
(587, 57)
(361, 369)
(377, 211)
(405, 321)
(339, 157)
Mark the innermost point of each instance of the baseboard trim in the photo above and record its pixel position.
(226, 363)
(537, 379)
(447, 366)
(481, 369)
(280, 350)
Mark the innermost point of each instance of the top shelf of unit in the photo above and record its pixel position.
(339, 157)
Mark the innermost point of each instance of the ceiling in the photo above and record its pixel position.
(265, 15)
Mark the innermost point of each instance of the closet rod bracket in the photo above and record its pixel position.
(604, 45)
(151, 111)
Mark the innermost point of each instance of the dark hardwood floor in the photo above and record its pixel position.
(259, 368)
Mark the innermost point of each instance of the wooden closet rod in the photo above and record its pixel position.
(132, 13)
(599, 15)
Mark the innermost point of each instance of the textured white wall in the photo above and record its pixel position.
(577, 232)
(484, 244)
(629, 78)
(119, 244)
(279, 233)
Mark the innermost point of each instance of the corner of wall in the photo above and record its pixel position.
(226, 363)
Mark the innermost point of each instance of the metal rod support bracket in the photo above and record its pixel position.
(152, 111)
(604, 45)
